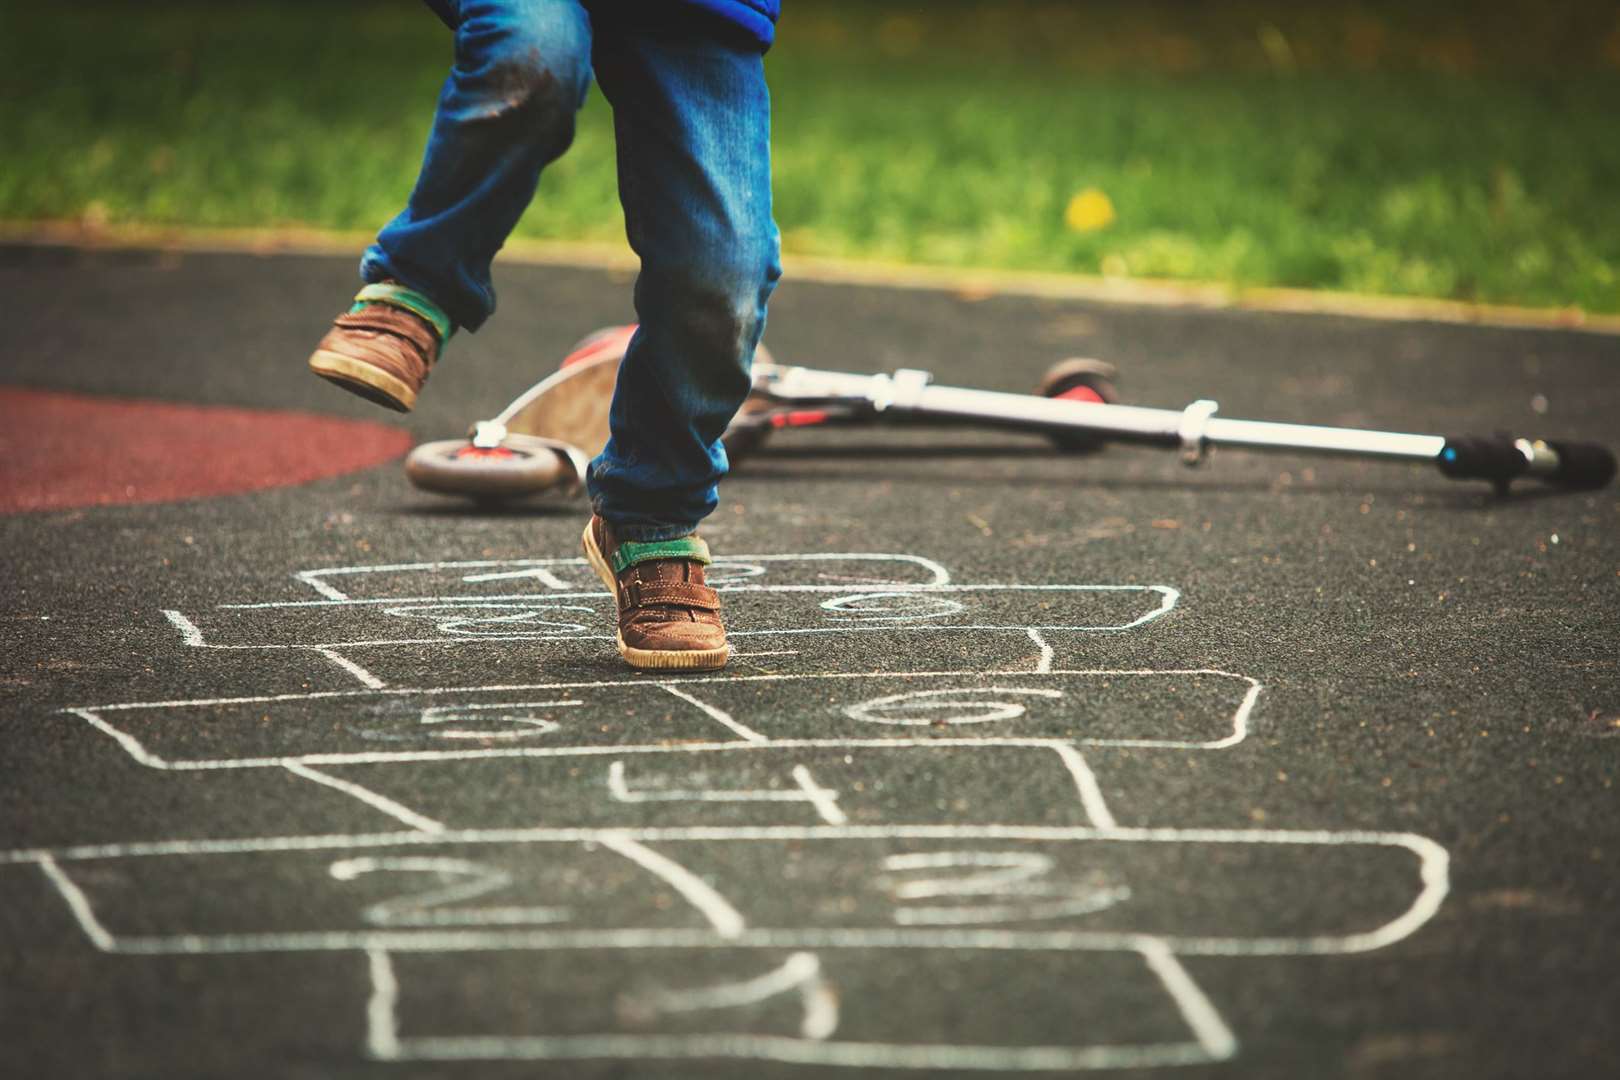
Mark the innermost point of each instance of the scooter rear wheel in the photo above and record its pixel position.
(457, 467)
(1080, 379)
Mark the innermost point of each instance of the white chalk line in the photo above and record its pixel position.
(912, 708)
(1240, 719)
(823, 801)
(382, 1025)
(190, 633)
(1088, 902)
(1420, 846)
(897, 588)
(410, 757)
(381, 803)
(719, 715)
(431, 908)
(620, 791)
(779, 980)
(945, 938)
(130, 743)
(1240, 724)
(895, 626)
(135, 748)
(638, 938)
(800, 971)
(526, 726)
(79, 905)
(1196, 1008)
(539, 573)
(820, 1009)
(1433, 872)
(365, 678)
(1043, 665)
(1022, 875)
(943, 1058)
(1085, 784)
(725, 919)
(193, 636)
(313, 578)
(998, 872)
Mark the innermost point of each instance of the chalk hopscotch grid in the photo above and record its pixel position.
(1212, 1040)
(732, 575)
(1432, 870)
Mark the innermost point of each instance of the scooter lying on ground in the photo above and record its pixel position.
(543, 441)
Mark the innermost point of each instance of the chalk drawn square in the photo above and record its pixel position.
(746, 784)
(335, 897)
(531, 577)
(802, 888)
(1178, 709)
(962, 886)
(1172, 709)
(751, 611)
(833, 1007)
(404, 726)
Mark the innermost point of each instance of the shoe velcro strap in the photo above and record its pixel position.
(396, 295)
(631, 552)
(635, 594)
(387, 319)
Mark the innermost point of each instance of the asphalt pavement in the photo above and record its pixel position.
(1029, 764)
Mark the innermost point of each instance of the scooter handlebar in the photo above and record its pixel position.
(1502, 459)
(1582, 465)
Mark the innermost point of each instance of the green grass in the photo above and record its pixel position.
(1401, 148)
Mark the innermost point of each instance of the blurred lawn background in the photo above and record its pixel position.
(1463, 149)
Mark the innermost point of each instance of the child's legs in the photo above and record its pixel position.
(692, 119)
(522, 68)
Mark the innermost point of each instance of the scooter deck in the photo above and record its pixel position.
(572, 404)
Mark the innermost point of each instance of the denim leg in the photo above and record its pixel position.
(522, 69)
(692, 118)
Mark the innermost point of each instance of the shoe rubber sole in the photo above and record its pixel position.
(366, 380)
(650, 659)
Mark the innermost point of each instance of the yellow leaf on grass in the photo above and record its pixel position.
(1089, 211)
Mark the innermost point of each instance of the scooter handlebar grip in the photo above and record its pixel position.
(1499, 459)
(1582, 465)
(1482, 457)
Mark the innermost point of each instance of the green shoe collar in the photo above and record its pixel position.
(396, 295)
(629, 552)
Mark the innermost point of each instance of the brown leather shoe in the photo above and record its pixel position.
(384, 346)
(669, 619)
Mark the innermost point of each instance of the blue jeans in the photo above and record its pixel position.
(691, 118)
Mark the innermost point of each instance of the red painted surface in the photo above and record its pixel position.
(62, 450)
(612, 339)
(799, 418)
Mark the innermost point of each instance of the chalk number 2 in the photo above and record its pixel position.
(452, 882)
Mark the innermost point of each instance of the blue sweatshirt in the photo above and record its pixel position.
(756, 18)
